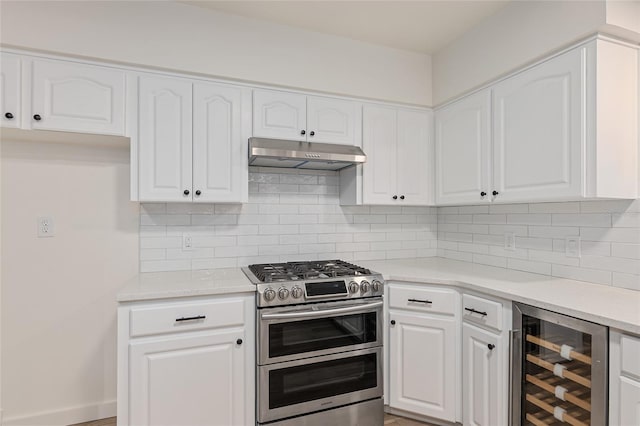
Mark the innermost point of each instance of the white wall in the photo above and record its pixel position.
(515, 35)
(184, 37)
(59, 294)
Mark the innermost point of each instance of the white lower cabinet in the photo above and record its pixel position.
(624, 379)
(422, 351)
(485, 360)
(187, 362)
(481, 377)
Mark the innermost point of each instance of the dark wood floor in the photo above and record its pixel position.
(389, 420)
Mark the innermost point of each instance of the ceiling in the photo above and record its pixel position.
(422, 26)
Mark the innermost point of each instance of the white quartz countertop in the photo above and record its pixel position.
(163, 285)
(606, 305)
(610, 306)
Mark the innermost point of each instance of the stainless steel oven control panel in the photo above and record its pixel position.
(296, 292)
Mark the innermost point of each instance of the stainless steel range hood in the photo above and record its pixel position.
(303, 155)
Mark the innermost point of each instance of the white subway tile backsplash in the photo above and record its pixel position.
(295, 215)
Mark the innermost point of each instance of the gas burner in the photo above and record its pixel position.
(289, 271)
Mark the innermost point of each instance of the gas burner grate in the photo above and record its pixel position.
(290, 271)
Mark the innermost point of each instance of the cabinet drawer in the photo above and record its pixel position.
(431, 300)
(630, 355)
(188, 316)
(482, 311)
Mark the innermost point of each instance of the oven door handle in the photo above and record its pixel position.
(321, 312)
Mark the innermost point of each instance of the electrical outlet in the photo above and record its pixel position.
(572, 247)
(187, 242)
(45, 227)
(509, 241)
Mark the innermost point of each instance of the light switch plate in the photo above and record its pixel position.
(509, 241)
(187, 242)
(572, 247)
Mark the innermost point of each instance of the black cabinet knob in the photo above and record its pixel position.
(37, 117)
(312, 133)
(482, 194)
(393, 322)
(402, 197)
(491, 346)
(186, 192)
(395, 197)
(198, 192)
(239, 341)
(9, 116)
(495, 193)
(303, 132)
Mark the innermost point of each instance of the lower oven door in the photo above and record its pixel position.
(304, 386)
(294, 332)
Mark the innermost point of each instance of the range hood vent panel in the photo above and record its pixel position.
(303, 155)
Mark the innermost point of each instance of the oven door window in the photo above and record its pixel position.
(295, 385)
(289, 338)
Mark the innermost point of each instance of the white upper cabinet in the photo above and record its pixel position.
(72, 97)
(565, 129)
(379, 142)
(333, 121)
(399, 167)
(10, 90)
(192, 140)
(220, 172)
(537, 131)
(285, 115)
(462, 145)
(165, 138)
(279, 115)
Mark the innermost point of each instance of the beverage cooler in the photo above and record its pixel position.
(559, 369)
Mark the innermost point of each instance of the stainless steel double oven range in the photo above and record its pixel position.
(319, 344)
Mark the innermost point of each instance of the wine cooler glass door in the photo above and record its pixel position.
(562, 369)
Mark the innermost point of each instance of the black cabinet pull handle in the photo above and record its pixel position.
(186, 192)
(312, 133)
(495, 193)
(199, 317)
(393, 322)
(428, 302)
(239, 342)
(9, 116)
(37, 117)
(303, 132)
(395, 197)
(402, 197)
(473, 311)
(491, 346)
(198, 192)
(482, 194)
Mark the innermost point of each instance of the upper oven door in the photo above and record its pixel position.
(318, 329)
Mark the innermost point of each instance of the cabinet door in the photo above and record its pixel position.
(629, 402)
(422, 365)
(538, 131)
(333, 121)
(197, 380)
(379, 142)
(463, 143)
(220, 170)
(482, 399)
(415, 157)
(77, 98)
(10, 90)
(279, 115)
(164, 128)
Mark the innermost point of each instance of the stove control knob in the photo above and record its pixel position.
(269, 294)
(353, 287)
(365, 286)
(283, 293)
(296, 292)
(376, 285)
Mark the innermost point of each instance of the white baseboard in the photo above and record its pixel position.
(65, 416)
